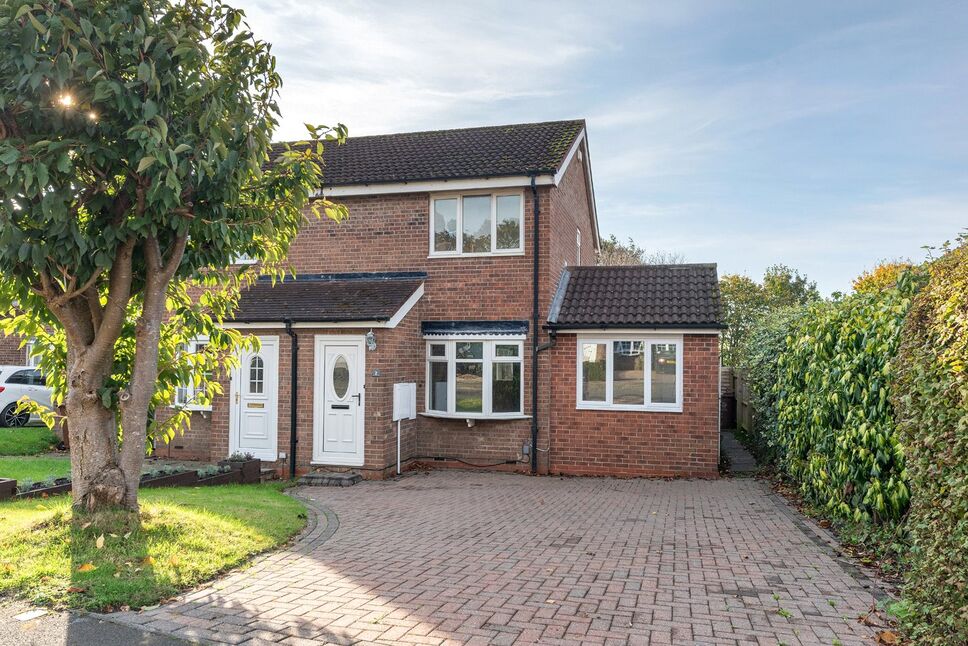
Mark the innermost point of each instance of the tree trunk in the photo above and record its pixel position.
(97, 477)
(137, 400)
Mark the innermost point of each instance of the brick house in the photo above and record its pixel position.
(465, 268)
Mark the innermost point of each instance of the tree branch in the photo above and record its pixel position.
(74, 293)
(119, 293)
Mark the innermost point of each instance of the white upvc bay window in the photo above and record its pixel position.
(474, 378)
(477, 224)
(630, 372)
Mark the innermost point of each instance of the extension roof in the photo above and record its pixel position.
(639, 296)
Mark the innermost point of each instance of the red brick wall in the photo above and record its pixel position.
(632, 443)
(11, 354)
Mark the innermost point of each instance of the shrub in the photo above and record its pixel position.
(758, 357)
(931, 401)
(835, 425)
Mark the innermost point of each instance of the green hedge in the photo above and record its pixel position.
(835, 423)
(767, 339)
(931, 400)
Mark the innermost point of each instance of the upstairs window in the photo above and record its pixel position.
(477, 224)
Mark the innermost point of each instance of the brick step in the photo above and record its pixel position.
(267, 474)
(330, 479)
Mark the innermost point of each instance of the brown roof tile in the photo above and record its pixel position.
(490, 151)
(328, 298)
(643, 296)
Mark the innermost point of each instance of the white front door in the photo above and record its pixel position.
(338, 401)
(253, 416)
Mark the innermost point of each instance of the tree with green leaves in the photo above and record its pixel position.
(746, 301)
(135, 140)
(616, 252)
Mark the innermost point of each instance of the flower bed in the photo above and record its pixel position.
(232, 471)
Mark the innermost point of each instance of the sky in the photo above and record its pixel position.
(825, 135)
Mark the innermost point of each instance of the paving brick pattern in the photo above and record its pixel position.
(487, 558)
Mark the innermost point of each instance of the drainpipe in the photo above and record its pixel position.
(534, 327)
(293, 398)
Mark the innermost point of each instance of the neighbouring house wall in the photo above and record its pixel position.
(11, 354)
(633, 443)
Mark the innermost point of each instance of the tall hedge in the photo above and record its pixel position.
(931, 399)
(758, 357)
(835, 424)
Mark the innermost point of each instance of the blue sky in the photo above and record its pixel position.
(824, 135)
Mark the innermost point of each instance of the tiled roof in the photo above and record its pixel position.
(490, 151)
(328, 298)
(640, 296)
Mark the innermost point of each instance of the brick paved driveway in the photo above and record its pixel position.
(458, 557)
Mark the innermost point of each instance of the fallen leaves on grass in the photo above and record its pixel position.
(87, 567)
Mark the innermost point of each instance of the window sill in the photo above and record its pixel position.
(489, 254)
(476, 417)
(630, 408)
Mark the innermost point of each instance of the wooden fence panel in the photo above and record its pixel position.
(744, 412)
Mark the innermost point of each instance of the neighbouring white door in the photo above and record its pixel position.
(253, 419)
(338, 401)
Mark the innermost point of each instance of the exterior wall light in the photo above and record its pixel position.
(370, 339)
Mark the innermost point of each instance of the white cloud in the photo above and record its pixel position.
(385, 67)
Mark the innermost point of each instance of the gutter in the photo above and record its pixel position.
(293, 397)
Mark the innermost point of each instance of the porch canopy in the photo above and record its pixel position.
(372, 298)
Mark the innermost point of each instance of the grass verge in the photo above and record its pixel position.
(110, 561)
(35, 469)
(27, 440)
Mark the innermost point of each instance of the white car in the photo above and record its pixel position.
(17, 382)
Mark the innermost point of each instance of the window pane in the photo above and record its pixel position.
(593, 371)
(19, 377)
(663, 373)
(445, 225)
(506, 387)
(509, 222)
(628, 373)
(504, 350)
(438, 350)
(255, 375)
(438, 385)
(477, 224)
(470, 391)
(470, 350)
(341, 377)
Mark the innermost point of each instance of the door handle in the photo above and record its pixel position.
(236, 398)
(357, 396)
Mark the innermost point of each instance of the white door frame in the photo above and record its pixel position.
(272, 393)
(319, 398)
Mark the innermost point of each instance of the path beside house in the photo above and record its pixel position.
(740, 460)
(486, 558)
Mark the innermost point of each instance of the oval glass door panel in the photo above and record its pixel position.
(341, 377)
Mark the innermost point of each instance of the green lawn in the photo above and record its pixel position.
(186, 536)
(27, 440)
(35, 468)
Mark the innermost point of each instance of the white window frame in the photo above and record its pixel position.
(459, 253)
(577, 247)
(32, 360)
(610, 340)
(488, 359)
(191, 389)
